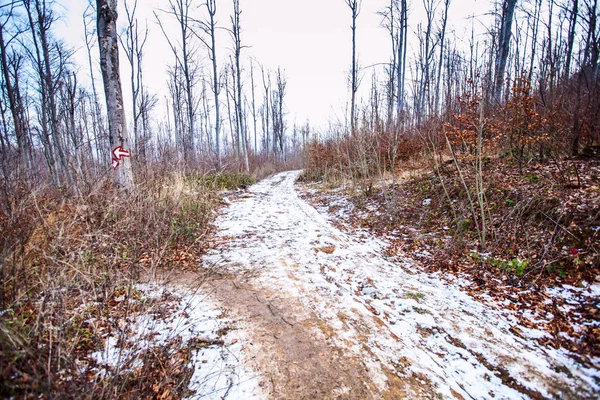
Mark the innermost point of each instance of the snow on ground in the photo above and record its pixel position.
(184, 317)
(389, 314)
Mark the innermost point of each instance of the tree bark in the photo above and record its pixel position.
(401, 72)
(355, 8)
(508, 10)
(235, 20)
(212, 11)
(253, 106)
(109, 64)
(440, 61)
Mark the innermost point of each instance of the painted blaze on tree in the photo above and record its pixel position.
(109, 64)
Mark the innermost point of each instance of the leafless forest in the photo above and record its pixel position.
(499, 132)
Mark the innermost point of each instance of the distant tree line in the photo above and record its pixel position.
(546, 50)
(56, 130)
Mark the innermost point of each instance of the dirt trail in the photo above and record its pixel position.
(327, 316)
(292, 356)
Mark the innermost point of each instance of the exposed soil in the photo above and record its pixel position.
(294, 359)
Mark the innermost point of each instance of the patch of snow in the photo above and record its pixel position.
(460, 346)
(218, 370)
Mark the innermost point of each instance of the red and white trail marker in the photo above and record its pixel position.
(118, 153)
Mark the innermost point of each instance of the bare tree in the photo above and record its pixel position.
(426, 58)
(176, 91)
(253, 104)
(504, 36)
(49, 59)
(133, 45)
(277, 112)
(592, 39)
(98, 122)
(266, 107)
(442, 35)
(571, 37)
(230, 97)
(184, 57)
(534, 20)
(237, 50)
(394, 20)
(401, 49)
(13, 92)
(210, 28)
(588, 75)
(354, 6)
(109, 64)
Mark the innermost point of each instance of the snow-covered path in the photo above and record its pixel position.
(415, 335)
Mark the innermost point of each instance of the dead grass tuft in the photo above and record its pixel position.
(69, 260)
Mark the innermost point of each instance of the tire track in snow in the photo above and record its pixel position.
(415, 333)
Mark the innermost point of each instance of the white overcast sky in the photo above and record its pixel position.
(309, 39)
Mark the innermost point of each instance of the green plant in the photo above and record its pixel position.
(557, 269)
(414, 295)
(532, 178)
(509, 203)
(514, 265)
(475, 256)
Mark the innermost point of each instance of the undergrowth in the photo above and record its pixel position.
(65, 261)
(543, 231)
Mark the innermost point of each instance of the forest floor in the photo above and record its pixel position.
(318, 309)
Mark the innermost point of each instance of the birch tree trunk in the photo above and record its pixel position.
(109, 64)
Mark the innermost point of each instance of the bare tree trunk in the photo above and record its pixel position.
(109, 64)
(389, 22)
(230, 115)
(253, 106)
(441, 57)
(267, 87)
(549, 55)
(535, 22)
(133, 46)
(571, 37)
(281, 84)
(402, 45)
(426, 55)
(508, 10)
(592, 42)
(211, 5)
(236, 30)
(355, 8)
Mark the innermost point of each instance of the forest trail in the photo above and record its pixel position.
(328, 316)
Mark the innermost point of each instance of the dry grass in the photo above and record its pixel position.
(64, 262)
